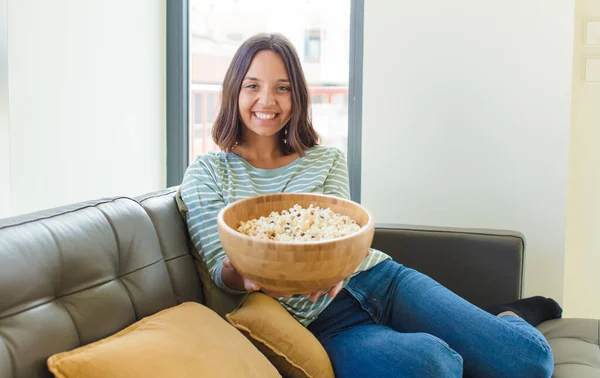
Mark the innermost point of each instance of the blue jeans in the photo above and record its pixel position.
(392, 321)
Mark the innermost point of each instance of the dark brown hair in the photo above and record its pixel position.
(227, 129)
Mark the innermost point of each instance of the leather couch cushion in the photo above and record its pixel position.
(292, 348)
(575, 347)
(74, 275)
(188, 340)
(174, 243)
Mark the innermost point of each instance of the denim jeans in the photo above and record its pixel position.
(392, 321)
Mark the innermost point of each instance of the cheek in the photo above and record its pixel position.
(286, 105)
(244, 102)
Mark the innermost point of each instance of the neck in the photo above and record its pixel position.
(257, 147)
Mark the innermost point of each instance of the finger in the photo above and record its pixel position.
(227, 263)
(314, 296)
(336, 289)
(368, 252)
(285, 295)
(249, 285)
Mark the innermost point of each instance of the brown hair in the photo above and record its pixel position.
(227, 129)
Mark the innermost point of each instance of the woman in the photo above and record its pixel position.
(384, 320)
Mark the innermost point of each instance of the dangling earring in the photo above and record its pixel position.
(285, 135)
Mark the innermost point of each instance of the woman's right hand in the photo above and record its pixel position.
(233, 279)
(248, 285)
(230, 274)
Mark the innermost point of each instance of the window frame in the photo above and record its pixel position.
(178, 91)
(5, 193)
(178, 95)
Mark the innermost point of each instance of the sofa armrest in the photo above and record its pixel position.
(483, 266)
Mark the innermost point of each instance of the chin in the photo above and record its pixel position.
(265, 131)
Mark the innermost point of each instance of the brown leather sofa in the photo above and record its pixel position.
(73, 275)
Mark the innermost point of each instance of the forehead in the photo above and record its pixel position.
(267, 64)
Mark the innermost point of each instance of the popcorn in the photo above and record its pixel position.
(299, 224)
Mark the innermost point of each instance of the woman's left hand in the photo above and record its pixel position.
(334, 290)
(331, 292)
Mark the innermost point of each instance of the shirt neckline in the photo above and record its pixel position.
(269, 171)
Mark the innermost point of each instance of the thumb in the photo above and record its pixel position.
(249, 285)
(336, 289)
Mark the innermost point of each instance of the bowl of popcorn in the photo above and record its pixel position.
(295, 243)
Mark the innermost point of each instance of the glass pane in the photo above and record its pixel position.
(320, 32)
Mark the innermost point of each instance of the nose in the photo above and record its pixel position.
(266, 97)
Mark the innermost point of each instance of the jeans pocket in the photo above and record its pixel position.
(368, 303)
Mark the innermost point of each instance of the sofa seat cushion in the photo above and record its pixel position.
(188, 340)
(575, 346)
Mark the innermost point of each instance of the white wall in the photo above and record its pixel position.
(466, 114)
(87, 100)
(4, 125)
(582, 281)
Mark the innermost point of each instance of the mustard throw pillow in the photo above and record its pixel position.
(188, 340)
(292, 348)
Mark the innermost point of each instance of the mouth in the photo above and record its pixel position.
(265, 116)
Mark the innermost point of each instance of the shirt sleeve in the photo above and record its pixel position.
(202, 196)
(337, 182)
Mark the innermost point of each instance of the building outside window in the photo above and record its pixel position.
(312, 45)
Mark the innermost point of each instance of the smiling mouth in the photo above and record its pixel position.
(265, 116)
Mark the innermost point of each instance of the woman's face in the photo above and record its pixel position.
(265, 102)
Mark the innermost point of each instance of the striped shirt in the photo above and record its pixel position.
(215, 180)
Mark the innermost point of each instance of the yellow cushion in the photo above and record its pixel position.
(188, 340)
(292, 348)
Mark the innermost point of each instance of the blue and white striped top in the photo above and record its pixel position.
(215, 180)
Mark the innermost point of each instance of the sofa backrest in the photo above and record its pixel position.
(175, 244)
(482, 266)
(76, 274)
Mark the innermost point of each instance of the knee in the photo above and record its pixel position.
(440, 360)
(542, 364)
(535, 360)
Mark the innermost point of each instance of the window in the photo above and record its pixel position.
(204, 34)
(218, 28)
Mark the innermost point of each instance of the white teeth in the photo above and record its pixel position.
(265, 115)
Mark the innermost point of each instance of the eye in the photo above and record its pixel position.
(251, 86)
(283, 88)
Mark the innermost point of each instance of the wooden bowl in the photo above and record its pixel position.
(294, 267)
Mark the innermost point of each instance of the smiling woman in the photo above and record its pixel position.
(267, 98)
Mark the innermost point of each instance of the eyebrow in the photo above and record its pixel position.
(255, 79)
